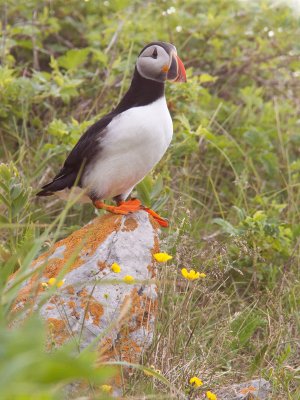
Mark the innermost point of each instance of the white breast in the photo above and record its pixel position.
(134, 142)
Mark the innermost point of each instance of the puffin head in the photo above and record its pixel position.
(158, 61)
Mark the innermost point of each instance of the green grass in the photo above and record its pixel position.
(229, 183)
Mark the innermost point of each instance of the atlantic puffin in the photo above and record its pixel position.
(119, 150)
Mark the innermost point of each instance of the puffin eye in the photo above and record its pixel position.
(154, 54)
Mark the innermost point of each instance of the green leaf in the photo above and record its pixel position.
(5, 172)
(57, 128)
(19, 203)
(258, 359)
(144, 190)
(157, 187)
(244, 327)
(204, 78)
(73, 58)
(226, 226)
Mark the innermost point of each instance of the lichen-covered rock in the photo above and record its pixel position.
(257, 389)
(94, 304)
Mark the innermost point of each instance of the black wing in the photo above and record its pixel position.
(82, 153)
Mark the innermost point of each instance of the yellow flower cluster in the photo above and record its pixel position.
(162, 257)
(116, 268)
(128, 279)
(53, 282)
(192, 274)
(106, 388)
(211, 395)
(197, 382)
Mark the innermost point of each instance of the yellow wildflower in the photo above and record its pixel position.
(116, 268)
(211, 396)
(162, 257)
(196, 382)
(106, 388)
(128, 279)
(44, 285)
(192, 274)
(52, 281)
(60, 283)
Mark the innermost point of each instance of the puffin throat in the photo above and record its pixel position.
(141, 92)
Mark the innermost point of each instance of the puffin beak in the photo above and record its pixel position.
(176, 71)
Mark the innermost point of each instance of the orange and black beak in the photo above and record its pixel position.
(176, 72)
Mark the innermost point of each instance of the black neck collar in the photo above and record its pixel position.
(142, 92)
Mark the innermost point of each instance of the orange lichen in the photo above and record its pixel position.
(156, 245)
(141, 309)
(128, 350)
(105, 348)
(91, 306)
(96, 310)
(248, 390)
(151, 268)
(54, 299)
(139, 314)
(27, 294)
(130, 225)
(86, 239)
(101, 265)
(58, 330)
(83, 293)
(72, 306)
(124, 349)
(70, 289)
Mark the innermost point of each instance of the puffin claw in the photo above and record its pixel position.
(161, 221)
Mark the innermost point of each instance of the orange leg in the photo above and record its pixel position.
(130, 206)
(124, 207)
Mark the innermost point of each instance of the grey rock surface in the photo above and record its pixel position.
(94, 304)
(257, 389)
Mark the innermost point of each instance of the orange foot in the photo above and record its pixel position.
(130, 206)
(162, 222)
(124, 207)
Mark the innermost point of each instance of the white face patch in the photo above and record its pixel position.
(153, 63)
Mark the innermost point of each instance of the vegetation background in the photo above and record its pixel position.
(229, 183)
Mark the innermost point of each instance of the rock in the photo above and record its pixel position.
(89, 306)
(257, 389)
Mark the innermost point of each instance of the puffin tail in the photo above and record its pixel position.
(44, 193)
(59, 183)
